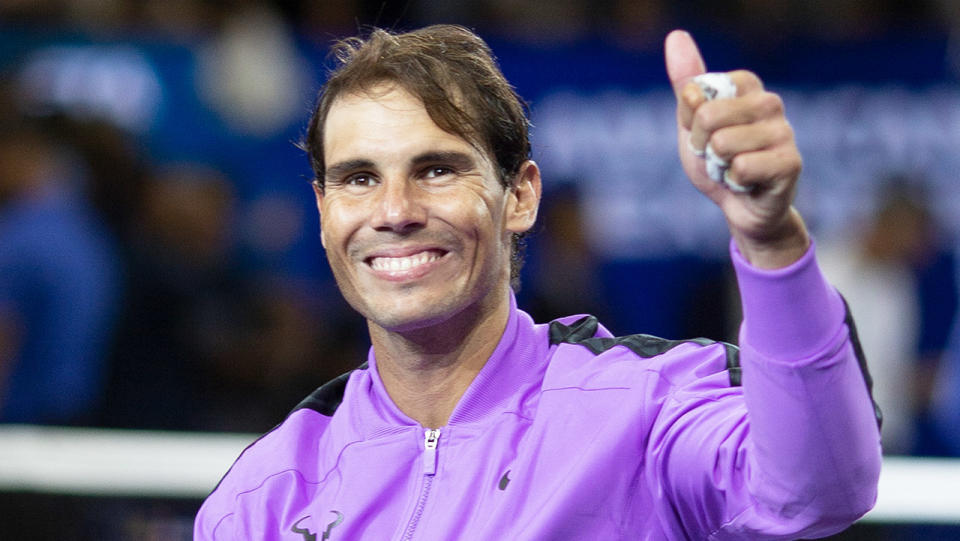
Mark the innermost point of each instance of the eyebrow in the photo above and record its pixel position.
(339, 169)
(457, 159)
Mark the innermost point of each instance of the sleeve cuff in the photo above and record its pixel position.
(788, 313)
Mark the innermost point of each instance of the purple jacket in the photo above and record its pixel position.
(570, 433)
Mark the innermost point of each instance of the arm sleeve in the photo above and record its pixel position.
(814, 431)
(794, 452)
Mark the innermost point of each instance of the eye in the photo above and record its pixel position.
(360, 179)
(437, 171)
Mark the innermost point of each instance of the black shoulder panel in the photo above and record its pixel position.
(327, 398)
(324, 400)
(581, 332)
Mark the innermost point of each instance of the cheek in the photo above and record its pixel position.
(335, 222)
(476, 216)
(324, 230)
(494, 216)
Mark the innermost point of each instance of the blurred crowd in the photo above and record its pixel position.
(159, 256)
(837, 20)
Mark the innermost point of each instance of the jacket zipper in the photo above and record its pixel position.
(431, 438)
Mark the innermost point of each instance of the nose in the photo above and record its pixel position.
(399, 206)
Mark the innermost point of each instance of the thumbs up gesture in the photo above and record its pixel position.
(749, 145)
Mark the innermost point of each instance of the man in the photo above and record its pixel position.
(469, 421)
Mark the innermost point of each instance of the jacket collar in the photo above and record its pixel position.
(516, 364)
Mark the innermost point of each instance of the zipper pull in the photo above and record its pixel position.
(431, 437)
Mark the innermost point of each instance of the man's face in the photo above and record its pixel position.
(414, 220)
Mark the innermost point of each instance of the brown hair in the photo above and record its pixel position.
(454, 73)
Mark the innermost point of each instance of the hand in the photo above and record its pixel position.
(752, 134)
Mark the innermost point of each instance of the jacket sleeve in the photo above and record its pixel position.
(797, 454)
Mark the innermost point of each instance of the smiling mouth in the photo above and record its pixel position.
(397, 264)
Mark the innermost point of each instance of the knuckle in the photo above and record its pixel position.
(704, 117)
(790, 162)
(797, 163)
(747, 77)
(772, 103)
(788, 130)
(739, 166)
(721, 141)
(783, 133)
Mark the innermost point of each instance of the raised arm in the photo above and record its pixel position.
(796, 452)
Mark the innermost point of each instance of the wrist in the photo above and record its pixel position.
(778, 248)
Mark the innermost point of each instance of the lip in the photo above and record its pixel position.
(431, 257)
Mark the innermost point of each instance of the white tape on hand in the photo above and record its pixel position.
(719, 170)
(696, 152)
(716, 166)
(717, 86)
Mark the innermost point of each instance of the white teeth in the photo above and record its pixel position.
(402, 263)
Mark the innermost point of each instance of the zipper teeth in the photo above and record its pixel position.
(430, 441)
(419, 511)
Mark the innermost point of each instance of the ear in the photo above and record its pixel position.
(318, 193)
(523, 199)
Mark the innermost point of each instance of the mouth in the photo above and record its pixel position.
(404, 263)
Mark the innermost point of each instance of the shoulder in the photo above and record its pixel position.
(328, 397)
(291, 454)
(636, 381)
(582, 344)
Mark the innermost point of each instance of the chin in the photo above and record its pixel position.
(406, 315)
(409, 319)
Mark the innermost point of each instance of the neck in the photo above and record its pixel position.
(426, 371)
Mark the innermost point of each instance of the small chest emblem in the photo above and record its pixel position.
(310, 536)
(504, 481)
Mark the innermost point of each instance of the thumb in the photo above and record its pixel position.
(683, 60)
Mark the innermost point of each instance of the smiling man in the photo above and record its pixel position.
(469, 420)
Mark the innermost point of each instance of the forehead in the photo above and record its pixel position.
(384, 122)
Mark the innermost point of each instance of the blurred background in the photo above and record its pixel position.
(160, 263)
